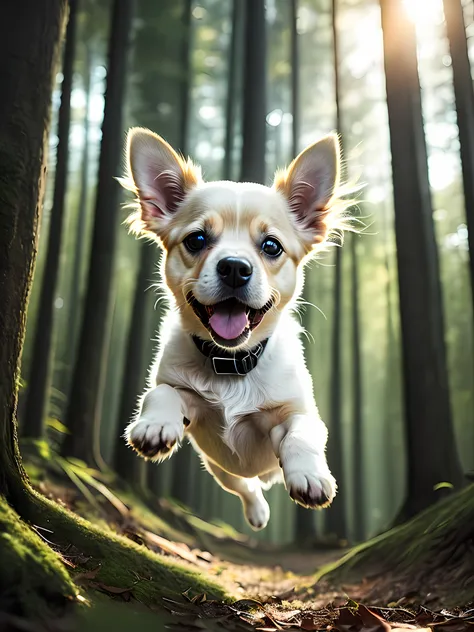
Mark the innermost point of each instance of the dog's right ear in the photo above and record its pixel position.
(160, 177)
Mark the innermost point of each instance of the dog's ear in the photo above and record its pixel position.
(309, 185)
(161, 179)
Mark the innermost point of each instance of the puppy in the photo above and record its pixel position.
(230, 373)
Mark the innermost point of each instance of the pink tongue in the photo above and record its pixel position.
(229, 322)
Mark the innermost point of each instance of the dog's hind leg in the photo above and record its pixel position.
(249, 490)
(159, 426)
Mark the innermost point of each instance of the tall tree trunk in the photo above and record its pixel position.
(432, 454)
(391, 386)
(464, 95)
(336, 521)
(186, 76)
(26, 80)
(79, 246)
(357, 420)
(232, 92)
(182, 479)
(254, 94)
(41, 365)
(128, 465)
(84, 397)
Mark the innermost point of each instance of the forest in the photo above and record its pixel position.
(94, 537)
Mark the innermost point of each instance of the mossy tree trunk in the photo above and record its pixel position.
(29, 52)
(38, 389)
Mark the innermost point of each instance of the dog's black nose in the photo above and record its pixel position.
(234, 271)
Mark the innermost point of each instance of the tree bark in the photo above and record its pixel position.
(38, 388)
(84, 396)
(29, 51)
(464, 96)
(357, 420)
(232, 92)
(128, 465)
(186, 76)
(432, 456)
(254, 94)
(79, 246)
(336, 521)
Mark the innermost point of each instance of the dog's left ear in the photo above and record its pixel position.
(309, 185)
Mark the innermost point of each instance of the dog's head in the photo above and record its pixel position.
(233, 251)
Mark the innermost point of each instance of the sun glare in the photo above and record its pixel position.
(424, 13)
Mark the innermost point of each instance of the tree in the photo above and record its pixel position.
(79, 246)
(127, 464)
(254, 94)
(40, 370)
(464, 96)
(29, 51)
(82, 411)
(232, 80)
(336, 521)
(358, 472)
(432, 455)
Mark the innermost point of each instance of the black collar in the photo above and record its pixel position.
(227, 363)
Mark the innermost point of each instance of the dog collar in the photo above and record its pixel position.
(227, 363)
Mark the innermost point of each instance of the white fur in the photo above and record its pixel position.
(254, 430)
(235, 424)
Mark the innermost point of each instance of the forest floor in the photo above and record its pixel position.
(270, 587)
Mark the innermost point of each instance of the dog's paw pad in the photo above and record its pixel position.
(313, 491)
(257, 514)
(153, 440)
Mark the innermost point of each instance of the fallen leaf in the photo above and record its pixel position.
(371, 621)
(308, 623)
(347, 621)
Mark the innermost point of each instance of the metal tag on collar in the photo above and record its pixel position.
(231, 363)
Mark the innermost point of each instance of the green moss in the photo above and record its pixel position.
(431, 543)
(121, 562)
(33, 581)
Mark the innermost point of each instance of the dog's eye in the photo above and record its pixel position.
(272, 247)
(195, 241)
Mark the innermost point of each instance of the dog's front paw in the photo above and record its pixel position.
(313, 488)
(154, 440)
(257, 513)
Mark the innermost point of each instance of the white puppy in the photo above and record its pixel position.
(230, 373)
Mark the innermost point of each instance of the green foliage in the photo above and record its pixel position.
(33, 580)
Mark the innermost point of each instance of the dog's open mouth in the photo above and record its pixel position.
(230, 322)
